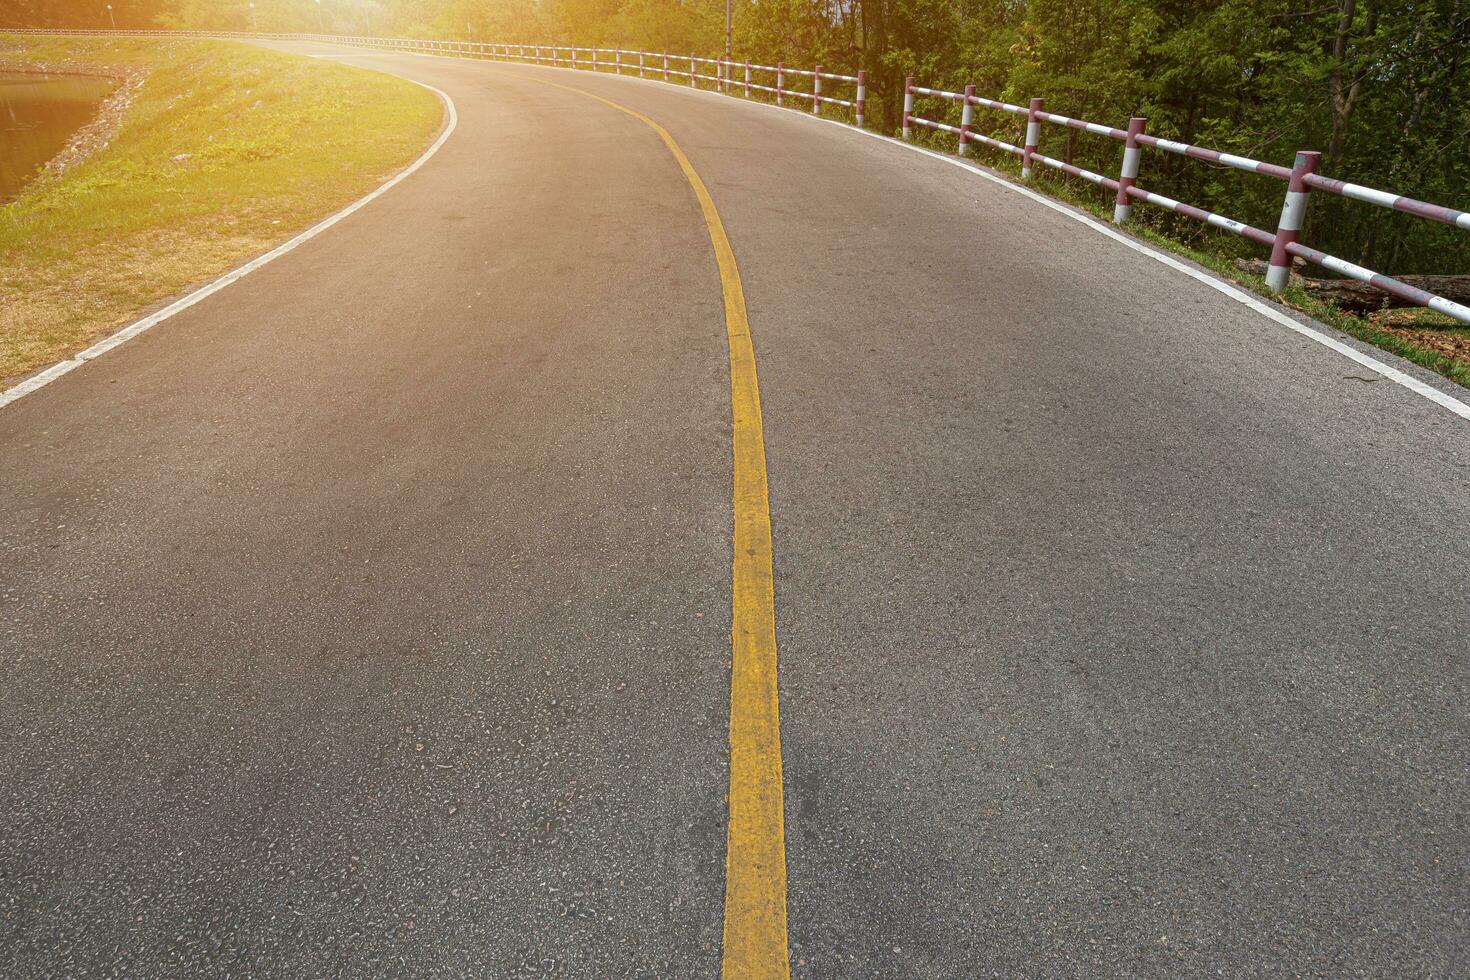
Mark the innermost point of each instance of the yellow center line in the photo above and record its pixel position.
(755, 845)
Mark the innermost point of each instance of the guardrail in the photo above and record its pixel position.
(664, 65)
(661, 64)
(1285, 245)
(1301, 178)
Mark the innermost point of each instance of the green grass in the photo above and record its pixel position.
(226, 151)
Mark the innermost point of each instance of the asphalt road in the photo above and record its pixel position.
(371, 617)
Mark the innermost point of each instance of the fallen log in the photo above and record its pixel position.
(1359, 297)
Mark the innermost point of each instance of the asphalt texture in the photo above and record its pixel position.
(371, 617)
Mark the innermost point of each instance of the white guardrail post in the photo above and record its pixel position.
(780, 81)
(693, 82)
(908, 108)
(747, 78)
(1128, 175)
(1289, 228)
(1033, 137)
(817, 91)
(967, 116)
(859, 109)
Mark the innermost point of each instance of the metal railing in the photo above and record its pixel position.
(666, 66)
(1301, 178)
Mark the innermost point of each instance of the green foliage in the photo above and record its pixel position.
(1383, 90)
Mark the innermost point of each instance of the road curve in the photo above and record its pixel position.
(372, 616)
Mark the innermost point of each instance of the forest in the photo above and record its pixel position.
(1381, 89)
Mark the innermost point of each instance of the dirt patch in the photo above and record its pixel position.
(98, 133)
(1452, 343)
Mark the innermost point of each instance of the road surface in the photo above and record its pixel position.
(372, 617)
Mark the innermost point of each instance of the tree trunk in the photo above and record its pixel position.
(1359, 297)
(1345, 81)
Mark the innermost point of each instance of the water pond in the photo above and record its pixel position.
(38, 115)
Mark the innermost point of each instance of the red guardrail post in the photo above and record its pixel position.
(908, 108)
(1293, 211)
(1033, 138)
(862, 96)
(1128, 175)
(780, 80)
(967, 116)
(817, 90)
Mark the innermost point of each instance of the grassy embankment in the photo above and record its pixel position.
(225, 151)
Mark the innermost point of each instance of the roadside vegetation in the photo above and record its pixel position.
(221, 152)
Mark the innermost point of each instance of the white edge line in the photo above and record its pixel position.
(41, 380)
(1408, 381)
